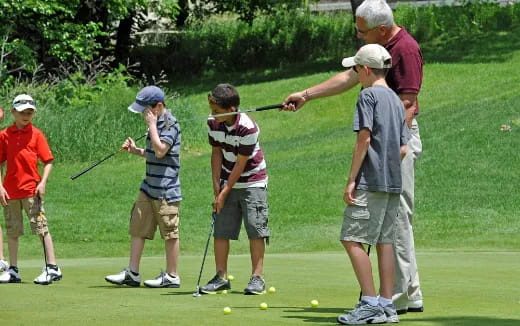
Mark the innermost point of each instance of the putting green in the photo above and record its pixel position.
(460, 288)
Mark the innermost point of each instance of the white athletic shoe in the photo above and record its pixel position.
(10, 276)
(3, 265)
(391, 314)
(364, 313)
(164, 281)
(125, 277)
(48, 276)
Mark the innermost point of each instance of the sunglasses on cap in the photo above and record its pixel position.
(22, 102)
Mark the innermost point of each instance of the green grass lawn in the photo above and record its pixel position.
(466, 222)
(461, 288)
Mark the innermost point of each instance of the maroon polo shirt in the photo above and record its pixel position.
(407, 65)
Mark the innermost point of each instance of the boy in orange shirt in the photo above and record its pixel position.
(23, 189)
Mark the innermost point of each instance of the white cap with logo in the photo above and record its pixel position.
(370, 55)
(24, 102)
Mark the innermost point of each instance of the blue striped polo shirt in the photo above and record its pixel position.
(162, 175)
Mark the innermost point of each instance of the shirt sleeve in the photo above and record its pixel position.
(44, 151)
(364, 116)
(407, 72)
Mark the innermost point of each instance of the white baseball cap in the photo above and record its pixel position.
(24, 102)
(370, 55)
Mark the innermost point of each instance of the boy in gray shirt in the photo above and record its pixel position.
(374, 184)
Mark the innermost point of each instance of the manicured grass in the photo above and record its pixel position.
(461, 288)
(467, 190)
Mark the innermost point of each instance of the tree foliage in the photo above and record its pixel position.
(51, 32)
(246, 10)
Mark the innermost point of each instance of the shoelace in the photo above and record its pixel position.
(255, 281)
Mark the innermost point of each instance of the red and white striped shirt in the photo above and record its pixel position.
(241, 138)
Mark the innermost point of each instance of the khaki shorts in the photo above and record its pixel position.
(32, 206)
(249, 205)
(372, 219)
(147, 213)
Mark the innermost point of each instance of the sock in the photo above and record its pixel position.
(172, 276)
(384, 301)
(14, 268)
(134, 273)
(55, 267)
(370, 300)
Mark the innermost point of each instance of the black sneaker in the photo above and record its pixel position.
(255, 286)
(215, 285)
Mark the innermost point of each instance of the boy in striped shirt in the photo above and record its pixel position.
(239, 185)
(160, 193)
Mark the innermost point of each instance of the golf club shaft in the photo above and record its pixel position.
(101, 161)
(361, 292)
(214, 217)
(262, 108)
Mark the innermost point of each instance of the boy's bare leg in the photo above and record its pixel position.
(362, 267)
(221, 256)
(1, 244)
(49, 247)
(172, 247)
(257, 249)
(12, 244)
(136, 251)
(385, 257)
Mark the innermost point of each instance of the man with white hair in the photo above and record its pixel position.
(375, 24)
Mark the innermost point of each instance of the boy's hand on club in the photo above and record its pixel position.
(129, 145)
(220, 199)
(40, 190)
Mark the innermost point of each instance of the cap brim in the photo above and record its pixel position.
(23, 107)
(136, 108)
(348, 62)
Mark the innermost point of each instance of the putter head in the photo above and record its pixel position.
(197, 294)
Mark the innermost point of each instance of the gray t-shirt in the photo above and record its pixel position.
(381, 111)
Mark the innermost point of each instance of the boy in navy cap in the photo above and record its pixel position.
(160, 194)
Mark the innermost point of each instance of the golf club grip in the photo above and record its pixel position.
(269, 107)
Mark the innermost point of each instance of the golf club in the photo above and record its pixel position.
(41, 218)
(197, 294)
(262, 108)
(361, 291)
(101, 161)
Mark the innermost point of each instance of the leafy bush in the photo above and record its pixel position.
(270, 41)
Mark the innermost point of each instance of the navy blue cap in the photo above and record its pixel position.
(150, 95)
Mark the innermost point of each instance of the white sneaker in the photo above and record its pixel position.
(164, 280)
(3, 265)
(391, 313)
(10, 276)
(364, 313)
(48, 276)
(125, 277)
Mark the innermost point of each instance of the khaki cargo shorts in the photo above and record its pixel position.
(13, 213)
(372, 219)
(147, 213)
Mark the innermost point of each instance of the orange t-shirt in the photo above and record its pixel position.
(22, 148)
